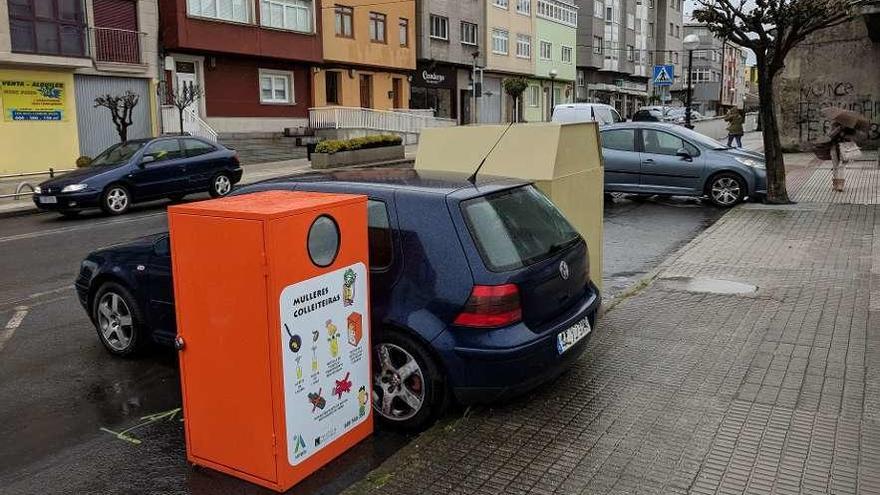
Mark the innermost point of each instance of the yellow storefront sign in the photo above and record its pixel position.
(29, 100)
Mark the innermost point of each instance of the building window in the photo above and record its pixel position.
(47, 26)
(523, 46)
(344, 21)
(295, 15)
(638, 26)
(598, 42)
(650, 4)
(546, 52)
(558, 12)
(533, 97)
(403, 27)
(566, 54)
(377, 27)
(630, 21)
(675, 58)
(524, 6)
(678, 31)
(276, 87)
(581, 79)
(439, 27)
(500, 3)
(609, 13)
(227, 10)
(630, 53)
(500, 41)
(468, 33)
(332, 87)
(598, 9)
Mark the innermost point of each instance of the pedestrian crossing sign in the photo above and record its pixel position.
(664, 75)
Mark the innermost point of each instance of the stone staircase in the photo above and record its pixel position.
(260, 147)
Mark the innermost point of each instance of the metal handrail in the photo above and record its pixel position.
(51, 173)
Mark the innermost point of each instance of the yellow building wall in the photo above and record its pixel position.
(563, 160)
(350, 90)
(359, 49)
(36, 146)
(512, 22)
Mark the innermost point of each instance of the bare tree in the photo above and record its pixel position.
(183, 97)
(770, 28)
(121, 108)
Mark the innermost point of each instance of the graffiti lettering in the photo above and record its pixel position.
(812, 124)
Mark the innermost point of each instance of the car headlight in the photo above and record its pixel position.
(74, 188)
(748, 162)
(37, 190)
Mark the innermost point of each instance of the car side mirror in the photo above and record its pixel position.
(683, 153)
(146, 159)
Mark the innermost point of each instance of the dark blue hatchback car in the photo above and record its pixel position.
(478, 291)
(142, 170)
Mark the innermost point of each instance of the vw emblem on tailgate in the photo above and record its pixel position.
(563, 270)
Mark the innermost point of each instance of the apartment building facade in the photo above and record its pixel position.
(555, 55)
(450, 43)
(718, 78)
(509, 40)
(668, 35)
(369, 52)
(252, 58)
(614, 41)
(56, 57)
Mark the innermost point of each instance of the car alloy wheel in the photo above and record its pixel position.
(726, 191)
(116, 200)
(398, 383)
(222, 185)
(115, 321)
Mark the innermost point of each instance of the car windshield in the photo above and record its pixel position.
(700, 139)
(117, 154)
(516, 228)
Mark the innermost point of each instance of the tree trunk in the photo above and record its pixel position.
(776, 189)
(180, 111)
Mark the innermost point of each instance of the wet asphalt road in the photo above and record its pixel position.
(62, 396)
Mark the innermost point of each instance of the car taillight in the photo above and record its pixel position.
(491, 306)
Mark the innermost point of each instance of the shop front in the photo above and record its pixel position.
(434, 86)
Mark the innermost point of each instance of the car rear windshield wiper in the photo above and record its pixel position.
(559, 246)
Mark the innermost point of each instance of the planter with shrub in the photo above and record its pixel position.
(360, 150)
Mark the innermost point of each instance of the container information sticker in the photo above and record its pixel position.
(325, 355)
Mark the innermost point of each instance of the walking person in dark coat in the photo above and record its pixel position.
(734, 120)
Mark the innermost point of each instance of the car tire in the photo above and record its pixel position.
(412, 402)
(726, 189)
(221, 185)
(115, 200)
(118, 320)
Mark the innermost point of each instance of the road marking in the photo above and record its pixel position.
(145, 420)
(38, 295)
(12, 325)
(64, 230)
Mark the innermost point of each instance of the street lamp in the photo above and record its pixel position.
(553, 74)
(690, 43)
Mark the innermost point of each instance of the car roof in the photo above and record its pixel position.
(582, 105)
(426, 182)
(642, 125)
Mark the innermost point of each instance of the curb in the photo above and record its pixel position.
(20, 212)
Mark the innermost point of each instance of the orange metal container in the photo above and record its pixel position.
(274, 384)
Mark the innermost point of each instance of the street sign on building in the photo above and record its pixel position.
(663, 75)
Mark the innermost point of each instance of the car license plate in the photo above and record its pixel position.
(48, 199)
(568, 338)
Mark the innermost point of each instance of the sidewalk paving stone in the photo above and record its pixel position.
(775, 390)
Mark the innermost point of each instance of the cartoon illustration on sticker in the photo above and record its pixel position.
(299, 445)
(355, 324)
(348, 279)
(332, 338)
(316, 400)
(362, 400)
(315, 335)
(295, 343)
(342, 386)
(299, 368)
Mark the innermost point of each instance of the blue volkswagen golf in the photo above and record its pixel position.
(142, 170)
(479, 291)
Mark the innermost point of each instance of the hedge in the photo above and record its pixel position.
(359, 143)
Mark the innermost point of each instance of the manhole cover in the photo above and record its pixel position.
(711, 285)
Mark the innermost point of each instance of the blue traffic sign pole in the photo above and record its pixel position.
(662, 78)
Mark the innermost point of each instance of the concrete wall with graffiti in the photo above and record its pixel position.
(837, 67)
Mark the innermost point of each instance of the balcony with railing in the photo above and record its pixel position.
(117, 46)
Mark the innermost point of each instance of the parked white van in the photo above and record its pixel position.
(585, 112)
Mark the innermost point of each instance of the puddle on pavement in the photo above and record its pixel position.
(710, 285)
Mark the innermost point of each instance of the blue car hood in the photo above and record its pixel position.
(744, 153)
(79, 175)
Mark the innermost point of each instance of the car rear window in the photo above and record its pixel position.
(516, 228)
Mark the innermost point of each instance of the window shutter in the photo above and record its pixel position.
(117, 14)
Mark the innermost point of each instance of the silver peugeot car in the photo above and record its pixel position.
(657, 158)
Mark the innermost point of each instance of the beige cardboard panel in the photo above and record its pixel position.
(564, 161)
